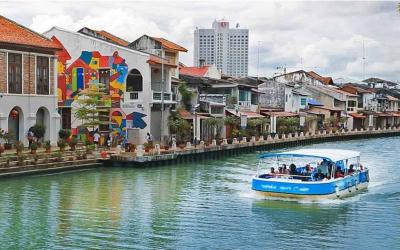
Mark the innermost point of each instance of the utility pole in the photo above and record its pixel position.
(162, 96)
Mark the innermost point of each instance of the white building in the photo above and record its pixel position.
(28, 82)
(227, 49)
(131, 77)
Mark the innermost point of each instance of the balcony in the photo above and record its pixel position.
(213, 99)
(157, 97)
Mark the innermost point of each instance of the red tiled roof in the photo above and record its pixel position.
(324, 80)
(113, 38)
(169, 45)
(194, 71)
(157, 60)
(13, 33)
(63, 55)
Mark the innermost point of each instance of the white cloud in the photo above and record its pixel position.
(327, 35)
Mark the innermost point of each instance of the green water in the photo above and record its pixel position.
(208, 205)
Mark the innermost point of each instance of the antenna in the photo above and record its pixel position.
(364, 59)
(258, 56)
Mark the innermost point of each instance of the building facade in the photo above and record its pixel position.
(226, 48)
(28, 82)
(131, 80)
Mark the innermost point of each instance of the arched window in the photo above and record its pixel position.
(134, 81)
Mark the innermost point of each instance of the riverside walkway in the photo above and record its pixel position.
(202, 152)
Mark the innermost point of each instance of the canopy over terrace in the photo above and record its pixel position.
(249, 114)
(333, 155)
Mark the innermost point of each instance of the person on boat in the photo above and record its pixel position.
(338, 174)
(280, 170)
(351, 169)
(293, 170)
(285, 169)
(308, 171)
(272, 171)
(319, 176)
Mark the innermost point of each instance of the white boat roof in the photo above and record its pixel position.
(329, 154)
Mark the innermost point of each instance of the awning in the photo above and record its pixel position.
(313, 102)
(358, 116)
(280, 114)
(249, 114)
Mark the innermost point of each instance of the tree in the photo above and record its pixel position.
(39, 131)
(186, 95)
(91, 110)
(215, 124)
(179, 126)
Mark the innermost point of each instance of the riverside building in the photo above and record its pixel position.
(226, 48)
(28, 82)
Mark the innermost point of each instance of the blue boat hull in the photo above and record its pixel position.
(289, 188)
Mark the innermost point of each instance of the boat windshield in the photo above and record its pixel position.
(306, 168)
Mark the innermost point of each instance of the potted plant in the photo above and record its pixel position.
(64, 134)
(58, 156)
(72, 143)
(8, 160)
(47, 146)
(21, 159)
(39, 131)
(7, 138)
(19, 147)
(61, 144)
(2, 149)
(35, 159)
(147, 147)
(34, 147)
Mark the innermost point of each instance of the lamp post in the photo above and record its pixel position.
(195, 124)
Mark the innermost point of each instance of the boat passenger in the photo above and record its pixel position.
(293, 170)
(272, 171)
(284, 169)
(351, 169)
(308, 170)
(338, 174)
(280, 170)
(319, 176)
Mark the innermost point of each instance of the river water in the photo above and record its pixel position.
(208, 205)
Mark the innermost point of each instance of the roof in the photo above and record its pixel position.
(113, 38)
(157, 60)
(14, 33)
(329, 154)
(378, 80)
(194, 71)
(358, 89)
(280, 113)
(324, 80)
(104, 35)
(391, 98)
(249, 114)
(169, 45)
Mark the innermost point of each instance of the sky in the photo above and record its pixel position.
(326, 37)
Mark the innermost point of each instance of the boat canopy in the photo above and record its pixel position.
(333, 155)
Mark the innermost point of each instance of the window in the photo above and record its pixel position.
(104, 78)
(14, 73)
(42, 75)
(134, 81)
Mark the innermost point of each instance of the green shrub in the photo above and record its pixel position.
(64, 134)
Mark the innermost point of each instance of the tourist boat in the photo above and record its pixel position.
(316, 174)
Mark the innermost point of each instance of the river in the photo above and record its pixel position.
(208, 205)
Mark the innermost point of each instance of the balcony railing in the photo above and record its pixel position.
(246, 104)
(213, 98)
(157, 96)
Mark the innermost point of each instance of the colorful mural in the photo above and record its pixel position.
(93, 68)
